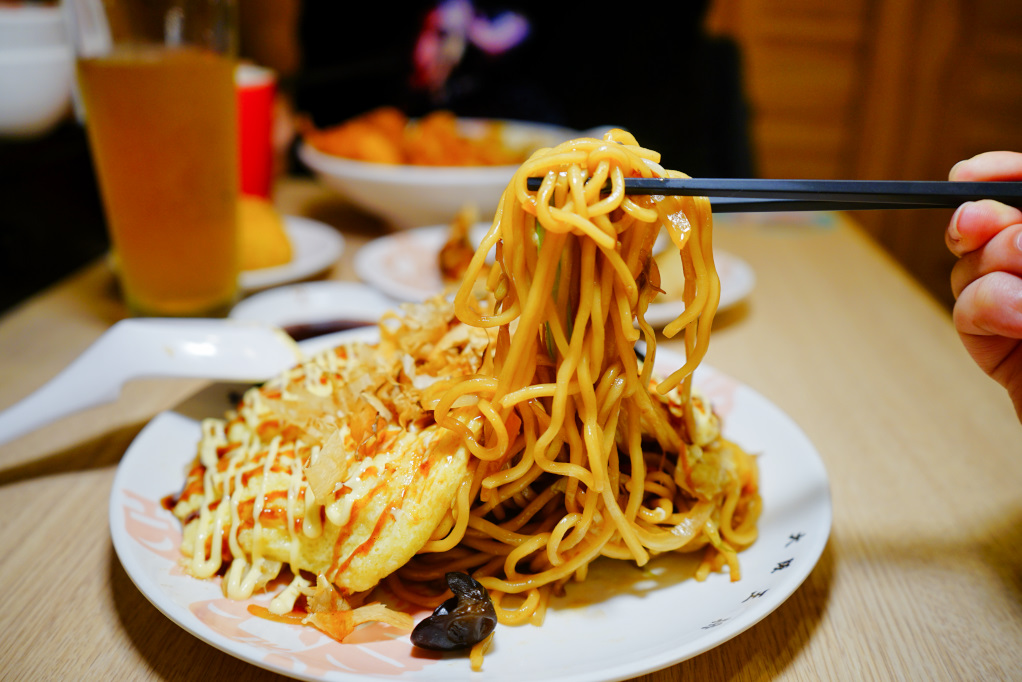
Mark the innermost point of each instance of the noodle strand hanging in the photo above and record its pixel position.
(514, 433)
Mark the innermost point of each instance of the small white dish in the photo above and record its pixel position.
(35, 89)
(643, 619)
(403, 265)
(315, 248)
(33, 26)
(314, 304)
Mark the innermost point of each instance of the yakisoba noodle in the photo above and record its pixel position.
(577, 457)
(516, 436)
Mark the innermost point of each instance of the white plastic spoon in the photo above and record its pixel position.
(226, 350)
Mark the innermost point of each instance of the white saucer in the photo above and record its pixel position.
(314, 303)
(315, 246)
(404, 265)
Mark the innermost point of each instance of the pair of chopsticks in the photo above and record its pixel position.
(755, 195)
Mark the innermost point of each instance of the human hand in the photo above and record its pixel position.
(987, 279)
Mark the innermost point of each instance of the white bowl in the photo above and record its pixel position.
(412, 196)
(35, 89)
(31, 26)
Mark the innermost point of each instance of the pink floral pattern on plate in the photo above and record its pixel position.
(374, 649)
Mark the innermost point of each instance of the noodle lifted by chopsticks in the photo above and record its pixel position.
(574, 455)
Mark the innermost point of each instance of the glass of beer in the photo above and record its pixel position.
(156, 86)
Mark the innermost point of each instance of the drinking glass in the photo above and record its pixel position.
(156, 85)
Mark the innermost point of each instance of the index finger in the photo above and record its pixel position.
(988, 166)
(976, 222)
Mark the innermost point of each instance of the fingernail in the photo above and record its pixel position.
(1018, 241)
(952, 229)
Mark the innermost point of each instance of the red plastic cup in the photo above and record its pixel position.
(256, 87)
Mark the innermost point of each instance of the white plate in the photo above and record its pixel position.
(315, 247)
(314, 302)
(622, 622)
(404, 265)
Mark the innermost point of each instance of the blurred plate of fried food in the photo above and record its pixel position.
(416, 172)
(416, 264)
(276, 249)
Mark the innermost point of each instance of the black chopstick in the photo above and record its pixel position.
(752, 195)
(753, 205)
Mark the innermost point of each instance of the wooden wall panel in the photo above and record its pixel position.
(881, 89)
(801, 62)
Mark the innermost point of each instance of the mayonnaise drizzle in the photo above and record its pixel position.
(240, 466)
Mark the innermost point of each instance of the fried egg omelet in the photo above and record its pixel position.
(334, 469)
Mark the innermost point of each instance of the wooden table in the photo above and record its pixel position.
(921, 579)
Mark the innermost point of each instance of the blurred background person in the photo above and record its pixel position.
(676, 88)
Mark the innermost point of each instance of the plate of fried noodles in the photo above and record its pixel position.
(513, 480)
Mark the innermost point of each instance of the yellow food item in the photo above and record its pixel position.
(263, 240)
(333, 469)
(457, 251)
